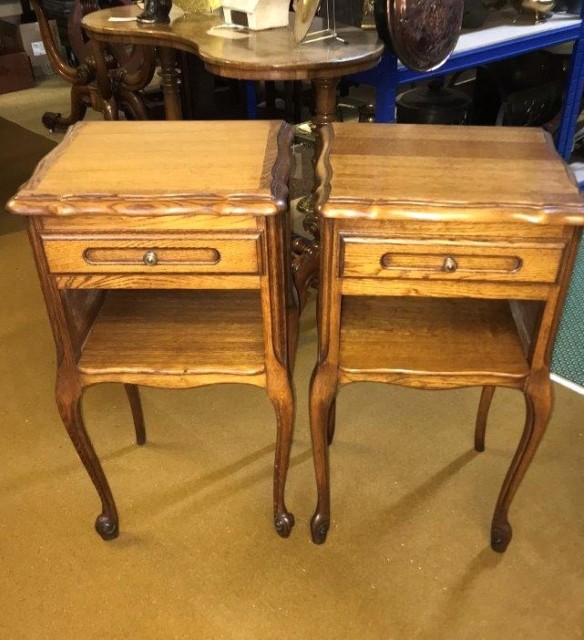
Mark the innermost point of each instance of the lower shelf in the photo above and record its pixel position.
(430, 341)
(177, 333)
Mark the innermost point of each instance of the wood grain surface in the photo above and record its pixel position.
(175, 168)
(442, 173)
(438, 343)
(272, 54)
(177, 333)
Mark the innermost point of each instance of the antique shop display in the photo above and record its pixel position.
(261, 55)
(422, 34)
(167, 269)
(523, 91)
(504, 36)
(431, 278)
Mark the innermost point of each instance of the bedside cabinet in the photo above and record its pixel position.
(163, 251)
(446, 254)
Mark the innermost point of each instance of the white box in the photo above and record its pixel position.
(259, 14)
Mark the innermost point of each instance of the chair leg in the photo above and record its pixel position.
(137, 413)
(133, 105)
(482, 414)
(69, 394)
(281, 393)
(322, 394)
(538, 401)
(305, 265)
(79, 98)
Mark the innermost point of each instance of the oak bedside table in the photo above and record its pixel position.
(163, 251)
(446, 253)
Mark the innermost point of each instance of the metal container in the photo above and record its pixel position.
(433, 104)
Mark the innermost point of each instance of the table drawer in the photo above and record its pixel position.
(450, 260)
(153, 254)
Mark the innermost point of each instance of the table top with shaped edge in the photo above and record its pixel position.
(162, 168)
(445, 173)
(270, 54)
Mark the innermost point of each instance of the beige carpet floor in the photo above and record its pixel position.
(408, 553)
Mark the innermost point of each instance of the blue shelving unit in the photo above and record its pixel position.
(499, 39)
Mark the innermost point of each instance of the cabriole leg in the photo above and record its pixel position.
(137, 413)
(482, 415)
(69, 394)
(57, 122)
(538, 402)
(332, 419)
(281, 394)
(322, 394)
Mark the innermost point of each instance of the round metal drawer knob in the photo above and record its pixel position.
(150, 258)
(450, 265)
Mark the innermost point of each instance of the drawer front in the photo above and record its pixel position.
(160, 254)
(450, 260)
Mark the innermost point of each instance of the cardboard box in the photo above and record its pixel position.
(10, 41)
(27, 37)
(32, 43)
(15, 72)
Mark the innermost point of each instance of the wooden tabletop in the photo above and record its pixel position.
(162, 168)
(442, 173)
(261, 55)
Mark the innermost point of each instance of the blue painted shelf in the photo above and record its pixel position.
(500, 38)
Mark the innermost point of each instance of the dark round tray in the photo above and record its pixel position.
(421, 33)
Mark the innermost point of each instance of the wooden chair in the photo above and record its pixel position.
(125, 74)
(446, 254)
